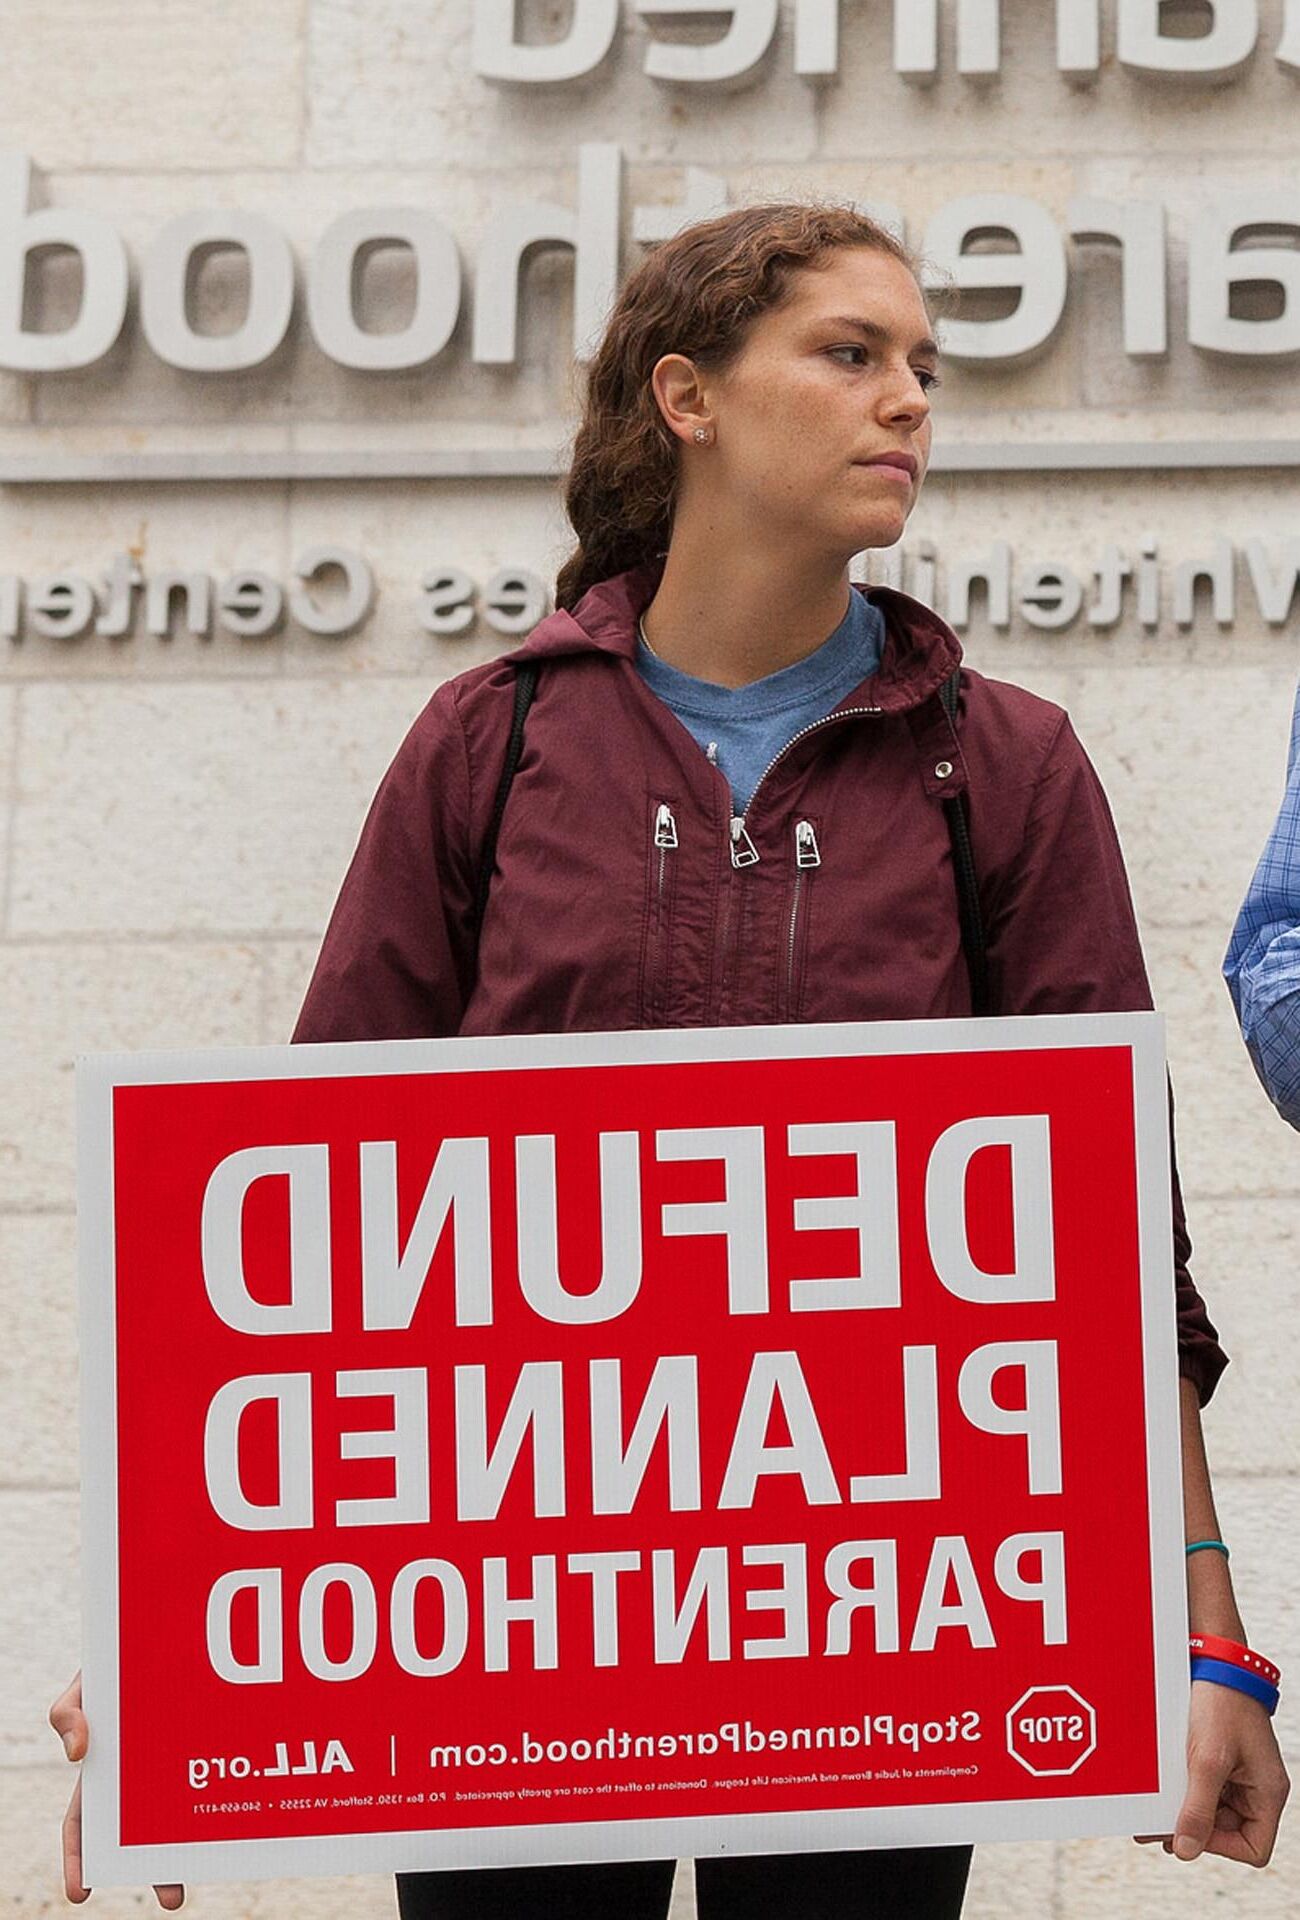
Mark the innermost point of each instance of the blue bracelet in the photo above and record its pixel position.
(1216, 1546)
(1239, 1679)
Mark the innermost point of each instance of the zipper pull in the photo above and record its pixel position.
(743, 851)
(806, 851)
(665, 827)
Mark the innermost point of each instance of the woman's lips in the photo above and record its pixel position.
(893, 469)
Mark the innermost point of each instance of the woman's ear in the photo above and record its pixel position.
(681, 399)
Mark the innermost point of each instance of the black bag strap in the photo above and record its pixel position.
(970, 918)
(969, 915)
(525, 688)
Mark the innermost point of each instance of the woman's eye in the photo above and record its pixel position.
(859, 356)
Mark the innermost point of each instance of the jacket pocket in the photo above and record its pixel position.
(661, 893)
(792, 947)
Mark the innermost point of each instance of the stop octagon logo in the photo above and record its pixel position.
(1051, 1730)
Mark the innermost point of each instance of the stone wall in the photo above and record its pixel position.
(175, 813)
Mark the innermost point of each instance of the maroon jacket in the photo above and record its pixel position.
(616, 903)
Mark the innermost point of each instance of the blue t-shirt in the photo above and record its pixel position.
(1263, 963)
(743, 729)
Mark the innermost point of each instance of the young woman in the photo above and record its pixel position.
(729, 809)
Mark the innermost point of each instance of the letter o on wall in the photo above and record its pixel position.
(346, 615)
(332, 286)
(165, 274)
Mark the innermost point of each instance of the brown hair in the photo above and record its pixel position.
(697, 294)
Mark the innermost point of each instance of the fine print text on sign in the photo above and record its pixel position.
(618, 1445)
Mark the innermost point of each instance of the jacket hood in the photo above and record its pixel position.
(921, 651)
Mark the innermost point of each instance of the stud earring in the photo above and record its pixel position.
(703, 436)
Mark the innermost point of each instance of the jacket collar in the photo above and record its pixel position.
(921, 651)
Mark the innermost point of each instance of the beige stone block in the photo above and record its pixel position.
(164, 406)
(154, 83)
(1029, 108)
(1141, 429)
(1245, 1266)
(38, 1358)
(61, 1001)
(394, 85)
(196, 808)
(288, 968)
(1011, 1882)
(1230, 1140)
(1193, 765)
(40, 1614)
(1071, 519)
(1260, 1520)
(91, 531)
(8, 743)
(31, 1808)
(17, 399)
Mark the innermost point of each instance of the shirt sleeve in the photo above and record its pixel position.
(1063, 938)
(1262, 966)
(397, 960)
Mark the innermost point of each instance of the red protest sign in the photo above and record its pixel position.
(617, 1445)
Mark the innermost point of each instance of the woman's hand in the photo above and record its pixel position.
(1237, 1785)
(69, 1722)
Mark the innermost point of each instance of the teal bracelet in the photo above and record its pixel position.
(1215, 1546)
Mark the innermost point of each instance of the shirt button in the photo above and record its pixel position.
(943, 770)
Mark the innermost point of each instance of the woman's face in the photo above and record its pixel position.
(822, 425)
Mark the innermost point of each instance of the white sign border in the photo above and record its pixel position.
(108, 1863)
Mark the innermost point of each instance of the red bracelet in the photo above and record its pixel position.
(1208, 1646)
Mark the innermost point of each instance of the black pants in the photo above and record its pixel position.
(909, 1883)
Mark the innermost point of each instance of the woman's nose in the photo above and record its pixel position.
(906, 401)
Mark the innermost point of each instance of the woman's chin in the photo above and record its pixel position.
(881, 530)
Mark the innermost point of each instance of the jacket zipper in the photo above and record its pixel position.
(665, 840)
(743, 851)
(741, 848)
(806, 851)
(807, 854)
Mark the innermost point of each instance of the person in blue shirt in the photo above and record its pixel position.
(1262, 967)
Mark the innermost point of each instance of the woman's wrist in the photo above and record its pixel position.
(1211, 1602)
(1234, 1678)
(1212, 1609)
(1212, 1646)
(1215, 1613)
